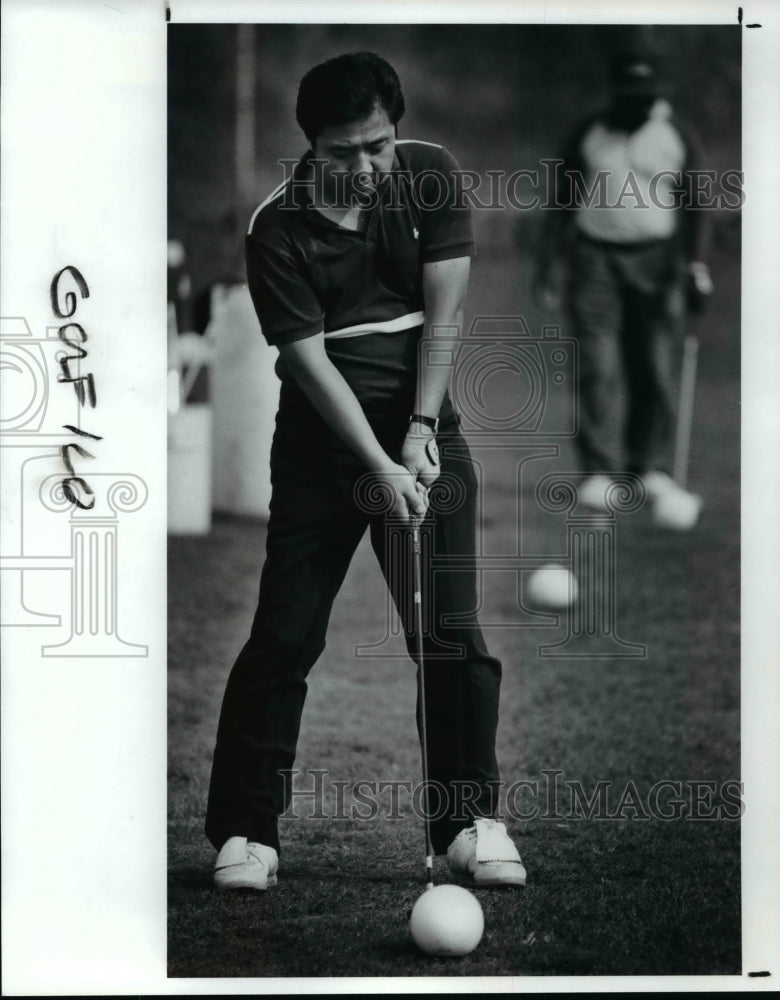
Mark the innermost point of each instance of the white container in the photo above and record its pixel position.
(189, 470)
(245, 397)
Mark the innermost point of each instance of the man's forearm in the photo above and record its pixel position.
(554, 235)
(697, 232)
(438, 345)
(330, 394)
(444, 289)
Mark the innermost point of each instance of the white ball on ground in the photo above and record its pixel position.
(447, 921)
(551, 587)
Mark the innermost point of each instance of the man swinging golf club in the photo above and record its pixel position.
(356, 264)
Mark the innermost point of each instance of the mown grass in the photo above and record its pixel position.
(617, 896)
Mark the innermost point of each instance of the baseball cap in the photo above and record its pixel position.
(634, 73)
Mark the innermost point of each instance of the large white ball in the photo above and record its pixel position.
(551, 587)
(447, 922)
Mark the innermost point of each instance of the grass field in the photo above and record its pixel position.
(604, 896)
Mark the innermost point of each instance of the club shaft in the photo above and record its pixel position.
(418, 631)
(685, 410)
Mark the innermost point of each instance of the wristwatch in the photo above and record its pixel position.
(432, 422)
(431, 450)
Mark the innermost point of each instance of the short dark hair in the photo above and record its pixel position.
(347, 89)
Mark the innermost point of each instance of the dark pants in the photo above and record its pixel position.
(315, 525)
(626, 306)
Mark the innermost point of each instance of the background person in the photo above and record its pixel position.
(636, 245)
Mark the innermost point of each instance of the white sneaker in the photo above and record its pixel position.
(486, 855)
(673, 506)
(658, 484)
(593, 491)
(242, 865)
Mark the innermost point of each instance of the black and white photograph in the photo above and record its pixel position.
(389, 520)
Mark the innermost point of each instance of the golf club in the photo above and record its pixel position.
(682, 442)
(418, 628)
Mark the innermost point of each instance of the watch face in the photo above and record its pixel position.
(432, 451)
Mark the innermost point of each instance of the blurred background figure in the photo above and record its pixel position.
(179, 284)
(626, 230)
(189, 409)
